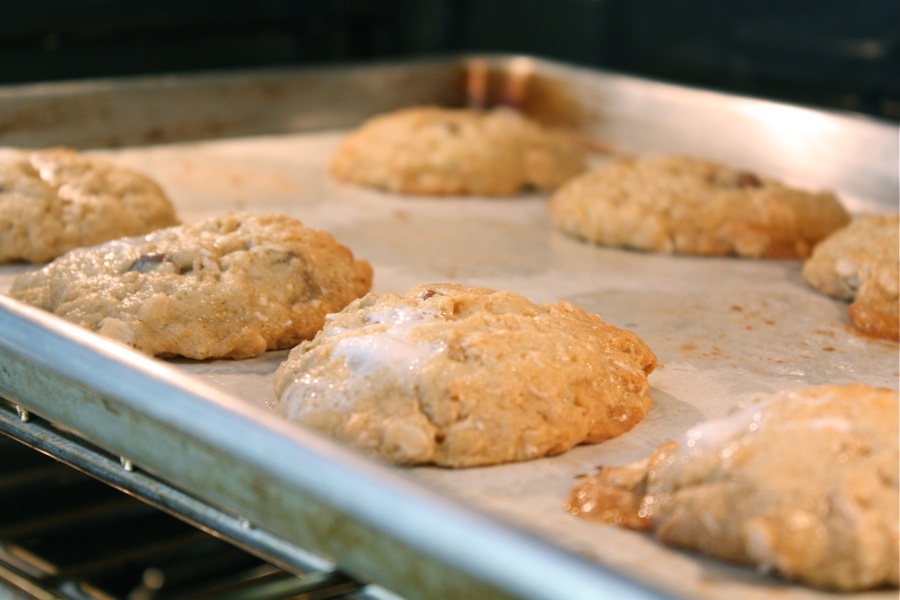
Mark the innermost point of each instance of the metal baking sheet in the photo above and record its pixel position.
(724, 329)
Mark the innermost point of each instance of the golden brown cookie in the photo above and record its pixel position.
(227, 287)
(802, 484)
(861, 263)
(461, 376)
(682, 205)
(52, 201)
(444, 151)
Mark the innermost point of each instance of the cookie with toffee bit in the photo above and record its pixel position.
(55, 200)
(801, 484)
(861, 263)
(461, 376)
(232, 286)
(444, 151)
(683, 205)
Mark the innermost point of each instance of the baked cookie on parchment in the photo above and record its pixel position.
(801, 484)
(54, 200)
(461, 376)
(231, 286)
(457, 151)
(861, 263)
(683, 205)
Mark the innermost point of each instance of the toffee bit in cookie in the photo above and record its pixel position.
(733, 179)
(745, 179)
(147, 262)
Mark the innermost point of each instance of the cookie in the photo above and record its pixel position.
(444, 151)
(861, 263)
(55, 200)
(801, 484)
(462, 376)
(682, 205)
(232, 286)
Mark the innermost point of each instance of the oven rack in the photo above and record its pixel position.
(164, 543)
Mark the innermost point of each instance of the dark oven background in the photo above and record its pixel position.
(828, 53)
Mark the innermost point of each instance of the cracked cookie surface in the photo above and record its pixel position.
(55, 200)
(460, 376)
(231, 286)
(683, 205)
(443, 151)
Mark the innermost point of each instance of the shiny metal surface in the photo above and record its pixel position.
(105, 113)
(121, 474)
(298, 487)
(854, 154)
(80, 526)
(290, 489)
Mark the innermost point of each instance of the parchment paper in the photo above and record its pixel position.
(723, 329)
